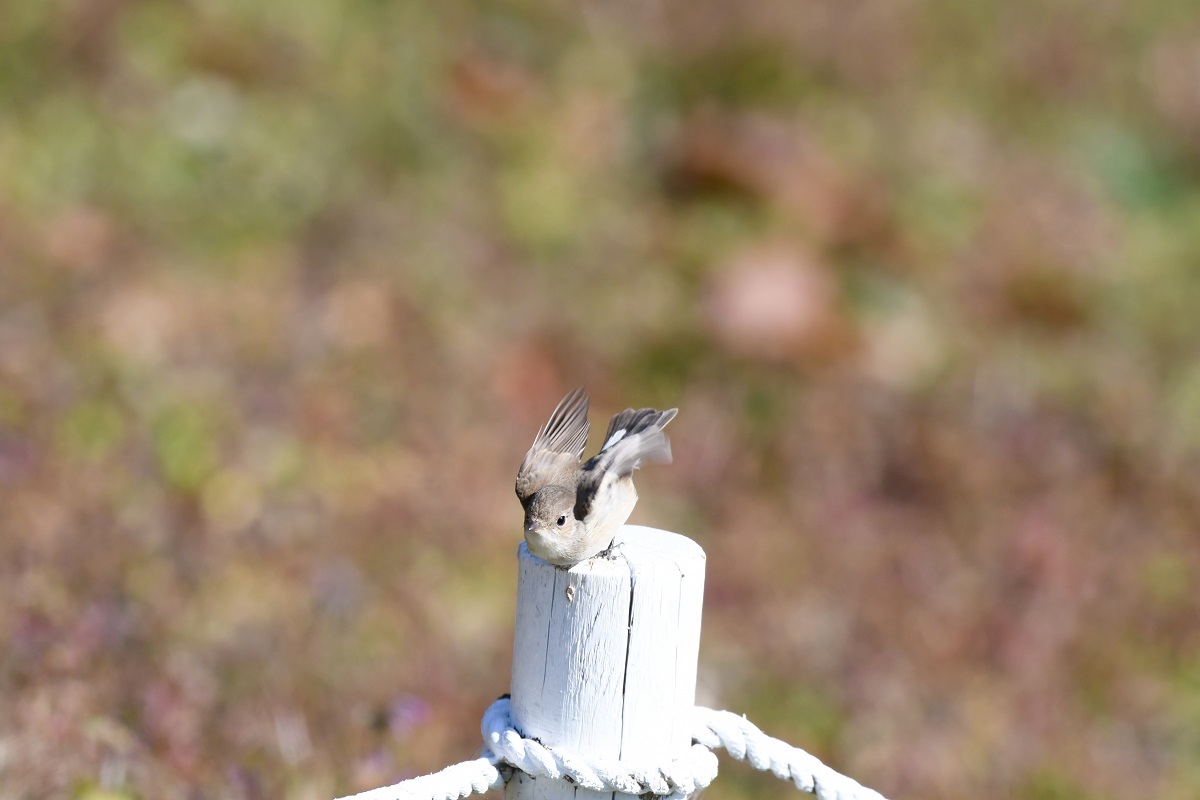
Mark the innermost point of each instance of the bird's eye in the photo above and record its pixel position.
(562, 520)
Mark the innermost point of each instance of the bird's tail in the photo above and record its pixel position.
(634, 436)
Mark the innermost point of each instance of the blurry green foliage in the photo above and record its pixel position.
(97, 793)
(185, 445)
(91, 429)
(1051, 784)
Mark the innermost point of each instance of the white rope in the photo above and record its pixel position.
(505, 748)
(459, 780)
(745, 742)
(683, 776)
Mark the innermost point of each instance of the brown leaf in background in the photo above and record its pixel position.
(1172, 73)
(781, 164)
(776, 302)
(81, 238)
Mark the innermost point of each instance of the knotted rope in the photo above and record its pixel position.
(505, 749)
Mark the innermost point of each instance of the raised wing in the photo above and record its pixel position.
(554, 456)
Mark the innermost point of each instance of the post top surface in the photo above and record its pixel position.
(634, 544)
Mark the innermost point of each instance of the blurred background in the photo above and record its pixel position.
(287, 289)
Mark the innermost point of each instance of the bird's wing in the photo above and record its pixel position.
(633, 436)
(558, 446)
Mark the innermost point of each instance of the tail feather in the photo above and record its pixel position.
(634, 436)
(631, 421)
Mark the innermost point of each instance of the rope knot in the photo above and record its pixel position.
(685, 775)
(505, 749)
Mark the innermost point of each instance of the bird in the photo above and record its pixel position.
(573, 510)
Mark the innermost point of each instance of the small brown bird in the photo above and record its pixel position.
(573, 511)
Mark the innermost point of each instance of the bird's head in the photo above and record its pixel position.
(551, 512)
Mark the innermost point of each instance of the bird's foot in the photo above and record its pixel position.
(610, 552)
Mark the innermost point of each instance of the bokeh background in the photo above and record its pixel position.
(287, 288)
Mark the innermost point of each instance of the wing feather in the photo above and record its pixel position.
(558, 446)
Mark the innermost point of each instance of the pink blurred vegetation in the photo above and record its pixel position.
(287, 289)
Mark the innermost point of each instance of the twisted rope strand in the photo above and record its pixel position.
(745, 742)
(505, 749)
(458, 780)
(687, 774)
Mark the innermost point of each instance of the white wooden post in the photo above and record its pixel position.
(604, 656)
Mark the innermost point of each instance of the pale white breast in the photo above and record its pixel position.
(614, 503)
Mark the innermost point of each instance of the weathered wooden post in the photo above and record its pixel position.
(604, 655)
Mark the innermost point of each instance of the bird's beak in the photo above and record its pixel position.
(530, 526)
